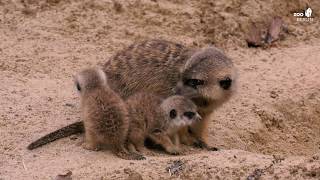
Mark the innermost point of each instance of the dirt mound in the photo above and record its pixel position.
(196, 23)
(290, 127)
(229, 23)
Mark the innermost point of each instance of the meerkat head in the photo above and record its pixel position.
(90, 79)
(207, 78)
(180, 111)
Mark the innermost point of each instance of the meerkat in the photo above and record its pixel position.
(206, 76)
(107, 118)
(104, 114)
(166, 68)
(151, 116)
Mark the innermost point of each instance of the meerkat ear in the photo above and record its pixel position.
(201, 55)
(76, 79)
(78, 86)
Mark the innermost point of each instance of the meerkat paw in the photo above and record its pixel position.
(91, 146)
(137, 156)
(130, 156)
(146, 151)
(202, 145)
(173, 150)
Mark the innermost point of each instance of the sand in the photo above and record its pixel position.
(269, 129)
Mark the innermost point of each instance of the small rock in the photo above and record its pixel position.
(278, 158)
(64, 176)
(254, 38)
(73, 137)
(117, 6)
(255, 175)
(275, 28)
(69, 105)
(274, 94)
(133, 175)
(176, 167)
(315, 157)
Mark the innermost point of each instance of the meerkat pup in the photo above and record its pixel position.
(104, 114)
(159, 120)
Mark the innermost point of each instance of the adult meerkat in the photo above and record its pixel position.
(166, 68)
(104, 114)
(158, 119)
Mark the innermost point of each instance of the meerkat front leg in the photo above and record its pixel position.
(176, 139)
(186, 137)
(199, 133)
(164, 140)
(136, 142)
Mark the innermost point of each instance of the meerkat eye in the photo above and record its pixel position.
(173, 113)
(78, 87)
(194, 83)
(225, 83)
(189, 114)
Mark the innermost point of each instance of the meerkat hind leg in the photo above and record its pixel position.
(136, 139)
(132, 148)
(90, 142)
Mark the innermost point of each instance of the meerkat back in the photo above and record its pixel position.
(104, 114)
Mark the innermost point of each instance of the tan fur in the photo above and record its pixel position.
(162, 68)
(150, 117)
(104, 114)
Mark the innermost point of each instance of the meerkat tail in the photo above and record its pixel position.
(66, 131)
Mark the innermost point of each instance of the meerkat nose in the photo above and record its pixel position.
(226, 83)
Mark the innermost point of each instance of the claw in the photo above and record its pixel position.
(202, 145)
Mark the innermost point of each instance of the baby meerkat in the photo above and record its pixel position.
(104, 114)
(158, 119)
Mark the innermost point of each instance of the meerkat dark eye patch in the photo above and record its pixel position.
(189, 114)
(225, 83)
(173, 113)
(194, 83)
(78, 87)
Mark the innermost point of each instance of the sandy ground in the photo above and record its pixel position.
(270, 128)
